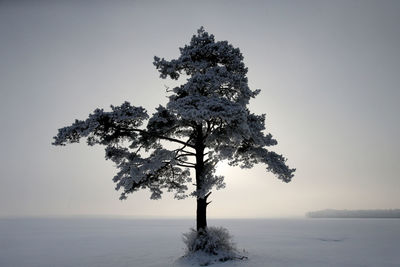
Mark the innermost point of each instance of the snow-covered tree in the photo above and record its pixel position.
(206, 119)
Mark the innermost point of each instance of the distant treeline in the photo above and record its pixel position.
(354, 214)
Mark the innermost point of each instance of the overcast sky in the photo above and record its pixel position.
(329, 72)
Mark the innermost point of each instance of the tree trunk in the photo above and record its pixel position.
(201, 220)
(201, 214)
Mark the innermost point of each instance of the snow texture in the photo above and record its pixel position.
(158, 243)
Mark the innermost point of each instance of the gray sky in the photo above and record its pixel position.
(329, 73)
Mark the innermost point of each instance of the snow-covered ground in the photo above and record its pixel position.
(127, 242)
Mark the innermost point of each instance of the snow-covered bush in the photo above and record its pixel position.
(214, 241)
(213, 245)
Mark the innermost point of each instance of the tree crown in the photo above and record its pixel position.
(206, 118)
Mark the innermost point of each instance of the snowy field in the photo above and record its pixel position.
(128, 242)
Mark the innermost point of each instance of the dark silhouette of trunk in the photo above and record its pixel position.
(201, 214)
(201, 219)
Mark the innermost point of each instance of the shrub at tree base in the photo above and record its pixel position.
(213, 245)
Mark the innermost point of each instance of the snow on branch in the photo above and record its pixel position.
(214, 67)
(104, 127)
(247, 156)
(158, 171)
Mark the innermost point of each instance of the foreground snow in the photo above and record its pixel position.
(126, 242)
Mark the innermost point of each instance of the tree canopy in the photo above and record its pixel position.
(206, 119)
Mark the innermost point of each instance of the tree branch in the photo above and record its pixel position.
(188, 152)
(184, 155)
(186, 166)
(165, 138)
(185, 162)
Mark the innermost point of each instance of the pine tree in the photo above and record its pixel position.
(206, 119)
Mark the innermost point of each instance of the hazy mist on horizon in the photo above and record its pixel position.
(329, 74)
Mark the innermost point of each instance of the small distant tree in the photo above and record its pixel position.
(206, 120)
